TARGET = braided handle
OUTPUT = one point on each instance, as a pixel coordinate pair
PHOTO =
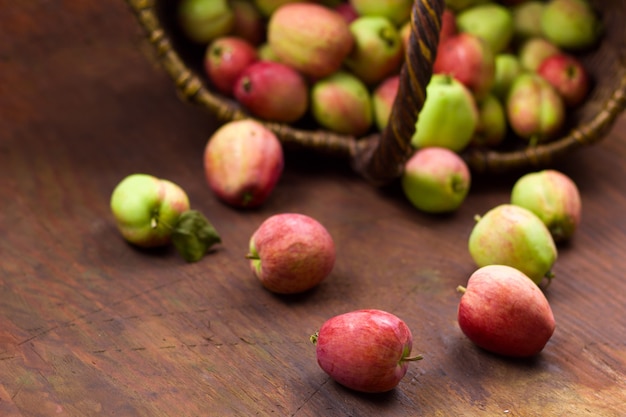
(381, 158)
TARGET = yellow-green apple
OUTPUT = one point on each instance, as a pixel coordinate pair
(383, 98)
(342, 103)
(553, 197)
(492, 22)
(507, 69)
(204, 20)
(534, 108)
(527, 19)
(568, 76)
(449, 116)
(514, 236)
(365, 350)
(312, 38)
(504, 312)
(397, 11)
(378, 51)
(469, 59)
(436, 180)
(533, 51)
(291, 253)
(268, 7)
(225, 59)
(571, 24)
(272, 91)
(146, 209)
(492, 123)
(243, 161)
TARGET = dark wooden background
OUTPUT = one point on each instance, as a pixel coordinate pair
(91, 326)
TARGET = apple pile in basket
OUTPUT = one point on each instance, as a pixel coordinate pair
(502, 66)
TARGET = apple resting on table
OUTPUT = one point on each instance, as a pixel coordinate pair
(365, 350)
(291, 253)
(503, 311)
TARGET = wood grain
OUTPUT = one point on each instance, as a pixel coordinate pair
(91, 326)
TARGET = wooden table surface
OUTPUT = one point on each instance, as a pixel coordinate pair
(91, 326)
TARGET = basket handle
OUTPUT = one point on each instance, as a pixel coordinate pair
(381, 158)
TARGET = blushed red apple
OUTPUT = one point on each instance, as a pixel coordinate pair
(243, 161)
(468, 59)
(568, 76)
(291, 253)
(225, 59)
(504, 312)
(272, 91)
(365, 350)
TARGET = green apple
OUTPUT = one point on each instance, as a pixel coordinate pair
(492, 22)
(571, 24)
(492, 123)
(378, 51)
(553, 197)
(507, 68)
(147, 208)
(532, 52)
(397, 11)
(436, 180)
(527, 19)
(449, 116)
(513, 236)
(460, 5)
(204, 20)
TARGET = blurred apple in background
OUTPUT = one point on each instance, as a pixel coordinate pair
(204, 20)
(568, 76)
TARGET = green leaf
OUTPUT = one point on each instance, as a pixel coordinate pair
(194, 235)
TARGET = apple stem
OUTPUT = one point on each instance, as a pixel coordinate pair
(477, 218)
(413, 358)
(251, 256)
(461, 289)
(314, 337)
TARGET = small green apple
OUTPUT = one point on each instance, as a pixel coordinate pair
(147, 208)
(397, 11)
(204, 20)
(508, 68)
(492, 123)
(436, 180)
(449, 116)
(527, 19)
(491, 21)
(378, 51)
(571, 24)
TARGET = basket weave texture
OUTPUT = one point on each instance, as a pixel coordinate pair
(380, 157)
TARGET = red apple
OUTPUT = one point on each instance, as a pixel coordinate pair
(568, 76)
(347, 11)
(365, 350)
(291, 253)
(249, 22)
(504, 312)
(383, 97)
(243, 161)
(272, 91)
(468, 59)
(225, 59)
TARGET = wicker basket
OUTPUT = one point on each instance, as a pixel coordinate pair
(380, 157)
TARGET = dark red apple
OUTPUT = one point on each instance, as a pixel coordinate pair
(568, 76)
(272, 91)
